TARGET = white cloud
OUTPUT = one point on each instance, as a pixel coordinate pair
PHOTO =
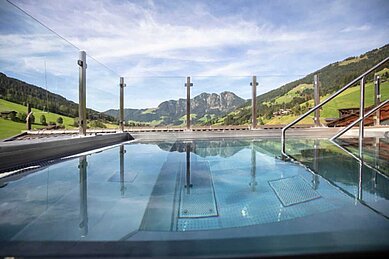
(147, 38)
(364, 27)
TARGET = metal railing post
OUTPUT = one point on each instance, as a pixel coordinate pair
(361, 135)
(283, 152)
(377, 100)
(254, 103)
(316, 89)
(362, 111)
(82, 93)
(28, 119)
(188, 85)
(121, 112)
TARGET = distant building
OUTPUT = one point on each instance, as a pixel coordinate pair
(7, 114)
(349, 115)
(281, 112)
(347, 111)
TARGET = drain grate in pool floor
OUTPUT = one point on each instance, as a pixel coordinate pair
(293, 190)
(199, 200)
(128, 177)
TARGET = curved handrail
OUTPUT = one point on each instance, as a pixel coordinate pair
(284, 155)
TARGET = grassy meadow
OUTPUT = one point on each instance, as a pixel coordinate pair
(10, 128)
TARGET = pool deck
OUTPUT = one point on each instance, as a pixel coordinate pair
(272, 131)
(19, 154)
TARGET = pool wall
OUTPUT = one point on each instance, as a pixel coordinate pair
(16, 154)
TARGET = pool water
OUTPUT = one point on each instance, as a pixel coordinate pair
(196, 186)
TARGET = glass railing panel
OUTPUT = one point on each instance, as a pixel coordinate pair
(221, 101)
(102, 95)
(285, 104)
(33, 54)
(158, 101)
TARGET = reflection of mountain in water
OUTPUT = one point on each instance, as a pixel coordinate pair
(341, 168)
(207, 148)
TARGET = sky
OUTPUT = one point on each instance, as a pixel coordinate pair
(156, 44)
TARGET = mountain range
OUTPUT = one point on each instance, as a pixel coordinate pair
(204, 107)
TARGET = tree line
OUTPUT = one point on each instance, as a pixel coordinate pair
(20, 92)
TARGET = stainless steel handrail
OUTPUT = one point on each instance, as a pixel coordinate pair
(340, 133)
(284, 155)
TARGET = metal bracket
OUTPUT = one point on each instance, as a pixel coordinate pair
(251, 84)
(81, 63)
(191, 84)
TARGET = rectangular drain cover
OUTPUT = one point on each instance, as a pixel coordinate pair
(128, 177)
(293, 190)
(199, 200)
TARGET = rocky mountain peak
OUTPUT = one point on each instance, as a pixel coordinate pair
(203, 104)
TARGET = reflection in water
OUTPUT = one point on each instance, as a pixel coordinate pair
(253, 182)
(376, 159)
(375, 151)
(121, 155)
(83, 197)
(188, 183)
(360, 166)
(350, 171)
(208, 148)
(315, 177)
(376, 147)
(360, 179)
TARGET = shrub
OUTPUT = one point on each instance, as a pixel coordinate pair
(59, 120)
(12, 117)
(43, 120)
(22, 116)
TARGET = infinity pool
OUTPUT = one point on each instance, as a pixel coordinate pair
(197, 190)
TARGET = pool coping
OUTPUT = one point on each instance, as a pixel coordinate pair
(292, 246)
(16, 155)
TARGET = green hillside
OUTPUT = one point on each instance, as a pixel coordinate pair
(297, 96)
(17, 91)
(348, 99)
(10, 128)
(295, 92)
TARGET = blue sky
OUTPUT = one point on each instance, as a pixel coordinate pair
(155, 44)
